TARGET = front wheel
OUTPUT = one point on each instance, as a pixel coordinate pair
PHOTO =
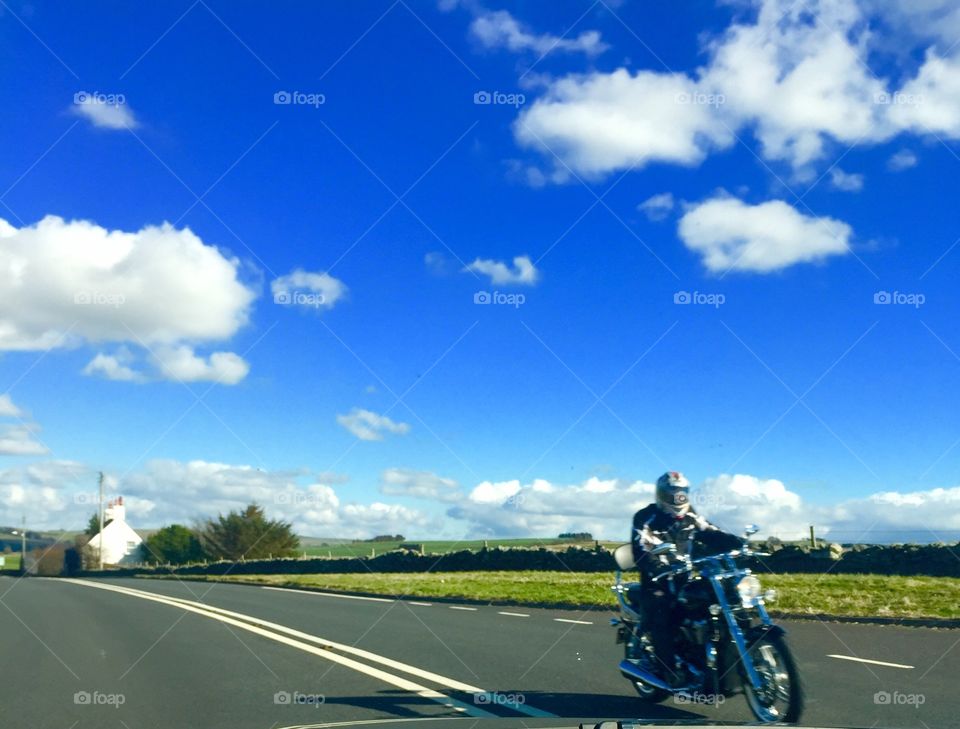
(780, 698)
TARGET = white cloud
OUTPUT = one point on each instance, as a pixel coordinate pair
(419, 484)
(795, 77)
(106, 112)
(522, 273)
(68, 282)
(183, 364)
(317, 290)
(732, 235)
(902, 160)
(7, 408)
(113, 367)
(19, 440)
(846, 181)
(600, 122)
(499, 29)
(509, 508)
(367, 425)
(657, 207)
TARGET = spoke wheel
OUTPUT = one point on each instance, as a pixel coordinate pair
(780, 698)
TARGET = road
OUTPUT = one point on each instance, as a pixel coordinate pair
(96, 654)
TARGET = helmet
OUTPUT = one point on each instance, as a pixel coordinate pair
(673, 493)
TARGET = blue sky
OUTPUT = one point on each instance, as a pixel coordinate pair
(802, 163)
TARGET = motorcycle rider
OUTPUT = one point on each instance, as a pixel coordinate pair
(670, 518)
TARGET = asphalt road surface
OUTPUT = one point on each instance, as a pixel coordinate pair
(138, 654)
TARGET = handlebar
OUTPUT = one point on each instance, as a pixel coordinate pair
(687, 564)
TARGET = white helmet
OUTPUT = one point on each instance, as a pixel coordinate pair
(673, 493)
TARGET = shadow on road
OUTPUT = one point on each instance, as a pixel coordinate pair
(403, 704)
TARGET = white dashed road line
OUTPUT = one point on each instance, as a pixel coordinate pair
(867, 660)
(575, 622)
(461, 607)
(330, 594)
(422, 604)
(514, 615)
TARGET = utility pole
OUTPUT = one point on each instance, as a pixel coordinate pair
(23, 544)
(813, 538)
(100, 549)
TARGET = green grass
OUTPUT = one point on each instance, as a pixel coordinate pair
(845, 595)
(364, 549)
(12, 561)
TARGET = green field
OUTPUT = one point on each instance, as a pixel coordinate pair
(842, 595)
(11, 561)
(339, 548)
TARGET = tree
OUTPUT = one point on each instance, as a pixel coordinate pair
(247, 534)
(93, 526)
(174, 544)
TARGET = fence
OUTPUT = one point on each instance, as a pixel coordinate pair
(933, 560)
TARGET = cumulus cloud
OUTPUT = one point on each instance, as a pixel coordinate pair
(419, 484)
(20, 440)
(499, 29)
(846, 181)
(523, 271)
(104, 111)
(510, 508)
(368, 425)
(657, 207)
(316, 290)
(179, 491)
(183, 364)
(113, 367)
(68, 282)
(600, 122)
(732, 235)
(7, 408)
(794, 76)
(902, 160)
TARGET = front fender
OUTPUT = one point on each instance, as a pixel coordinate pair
(761, 631)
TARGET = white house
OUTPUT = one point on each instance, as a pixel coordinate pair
(121, 544)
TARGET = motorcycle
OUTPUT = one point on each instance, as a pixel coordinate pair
(726, 643)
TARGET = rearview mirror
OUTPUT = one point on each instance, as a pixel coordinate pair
(750, 529)
(663, 548)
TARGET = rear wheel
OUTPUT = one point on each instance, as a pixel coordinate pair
(635, 652)
(780, 698)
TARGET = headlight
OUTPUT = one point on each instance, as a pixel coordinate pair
(749, 590)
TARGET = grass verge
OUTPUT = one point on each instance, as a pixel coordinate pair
(870, 596)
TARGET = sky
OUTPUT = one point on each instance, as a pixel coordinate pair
(471, 269)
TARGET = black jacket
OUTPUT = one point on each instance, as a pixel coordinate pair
(652, 525)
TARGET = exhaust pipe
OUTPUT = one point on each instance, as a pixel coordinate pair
(635, 673)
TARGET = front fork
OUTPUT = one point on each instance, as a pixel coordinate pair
(736, 635)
